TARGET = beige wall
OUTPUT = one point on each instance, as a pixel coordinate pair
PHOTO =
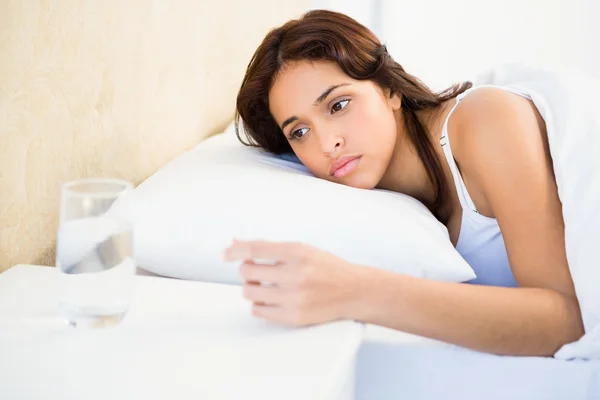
(110, 88)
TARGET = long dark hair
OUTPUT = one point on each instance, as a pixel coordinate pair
(321, 35)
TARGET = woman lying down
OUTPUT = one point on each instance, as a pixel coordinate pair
(325, 88)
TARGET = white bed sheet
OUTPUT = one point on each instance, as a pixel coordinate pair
(396, 365)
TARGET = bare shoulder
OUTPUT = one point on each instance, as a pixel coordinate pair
(492, 127)
(501, 145)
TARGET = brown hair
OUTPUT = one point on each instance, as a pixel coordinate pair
(321, 35)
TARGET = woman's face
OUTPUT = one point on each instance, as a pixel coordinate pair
(343, 130)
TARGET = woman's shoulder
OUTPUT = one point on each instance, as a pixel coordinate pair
(482, 103)
(496, 137)
(489, 117)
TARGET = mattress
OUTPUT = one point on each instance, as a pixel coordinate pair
(396, 365)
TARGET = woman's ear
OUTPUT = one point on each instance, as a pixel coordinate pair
(394, 100)
(391, 97)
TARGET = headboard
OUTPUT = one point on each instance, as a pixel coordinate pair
(111, 89)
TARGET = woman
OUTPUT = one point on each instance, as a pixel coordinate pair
(325, 88)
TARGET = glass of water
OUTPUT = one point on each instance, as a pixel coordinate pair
(94, 253)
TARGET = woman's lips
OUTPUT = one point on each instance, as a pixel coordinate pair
(345, 166)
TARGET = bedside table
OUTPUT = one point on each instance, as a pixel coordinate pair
(180, 340)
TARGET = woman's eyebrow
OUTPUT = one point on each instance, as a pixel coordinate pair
(327, 92)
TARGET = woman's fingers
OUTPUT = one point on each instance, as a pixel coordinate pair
(278, 314)
(262, 250)
(253, 272)
(265, 295)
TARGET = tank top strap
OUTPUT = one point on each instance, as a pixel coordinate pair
(463, 195)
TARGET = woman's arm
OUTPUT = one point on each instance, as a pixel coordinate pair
(504, 159)
(500, 145)
(515, 321)
(310, 286)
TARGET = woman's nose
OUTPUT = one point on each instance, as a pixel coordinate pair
(332, 144)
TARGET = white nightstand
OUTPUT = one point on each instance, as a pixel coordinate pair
(180, 340)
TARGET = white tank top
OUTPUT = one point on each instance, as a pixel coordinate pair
(480, 241)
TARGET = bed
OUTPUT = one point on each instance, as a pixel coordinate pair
(394, 365)
(120, 88)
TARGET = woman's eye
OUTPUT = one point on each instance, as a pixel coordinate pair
(339, 106)
(298, 134)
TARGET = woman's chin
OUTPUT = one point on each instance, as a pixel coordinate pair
(359, 181)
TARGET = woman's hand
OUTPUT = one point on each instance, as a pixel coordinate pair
(304, 286)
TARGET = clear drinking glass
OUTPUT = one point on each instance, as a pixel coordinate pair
(94, 253)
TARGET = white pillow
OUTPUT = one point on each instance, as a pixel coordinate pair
(190, 210)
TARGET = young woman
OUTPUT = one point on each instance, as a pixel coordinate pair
(324, 87)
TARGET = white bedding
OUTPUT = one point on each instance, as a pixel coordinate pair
(396, 365)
